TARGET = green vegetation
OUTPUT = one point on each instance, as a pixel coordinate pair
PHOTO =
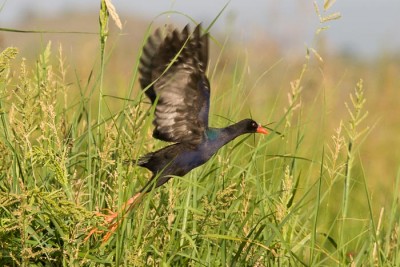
(299, 196)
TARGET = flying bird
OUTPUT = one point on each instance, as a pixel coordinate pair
(173, 76)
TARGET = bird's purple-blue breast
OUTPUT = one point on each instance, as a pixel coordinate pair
(191, 159)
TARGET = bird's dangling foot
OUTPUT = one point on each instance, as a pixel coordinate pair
(112, 220)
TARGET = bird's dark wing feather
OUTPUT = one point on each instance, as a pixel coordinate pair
(172, 72)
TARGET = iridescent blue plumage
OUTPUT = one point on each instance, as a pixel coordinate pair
(173, 68)
(212, 133)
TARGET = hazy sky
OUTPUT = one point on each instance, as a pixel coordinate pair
(366, 26)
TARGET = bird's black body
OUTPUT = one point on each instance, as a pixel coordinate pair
(180, 158)
(172, 74)
(172, 69)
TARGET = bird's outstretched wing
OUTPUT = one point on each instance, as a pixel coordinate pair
(172, 70)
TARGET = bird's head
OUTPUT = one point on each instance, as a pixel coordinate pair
(254, 127)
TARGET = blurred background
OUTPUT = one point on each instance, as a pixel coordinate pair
(268, 37)
(366, 29)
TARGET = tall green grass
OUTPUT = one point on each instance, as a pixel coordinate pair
(293, 198)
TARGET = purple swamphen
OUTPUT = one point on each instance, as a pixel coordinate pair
(172, 74)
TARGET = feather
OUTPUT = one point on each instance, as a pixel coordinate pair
(172, 70)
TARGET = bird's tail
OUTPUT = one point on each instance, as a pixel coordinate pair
(142, 161)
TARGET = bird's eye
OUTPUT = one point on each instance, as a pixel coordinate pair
(253, 124)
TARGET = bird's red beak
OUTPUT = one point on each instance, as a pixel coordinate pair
(261, 130)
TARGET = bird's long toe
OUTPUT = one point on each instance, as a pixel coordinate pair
(112, 219)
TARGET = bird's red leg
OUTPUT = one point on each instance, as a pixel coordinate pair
(113, 219)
